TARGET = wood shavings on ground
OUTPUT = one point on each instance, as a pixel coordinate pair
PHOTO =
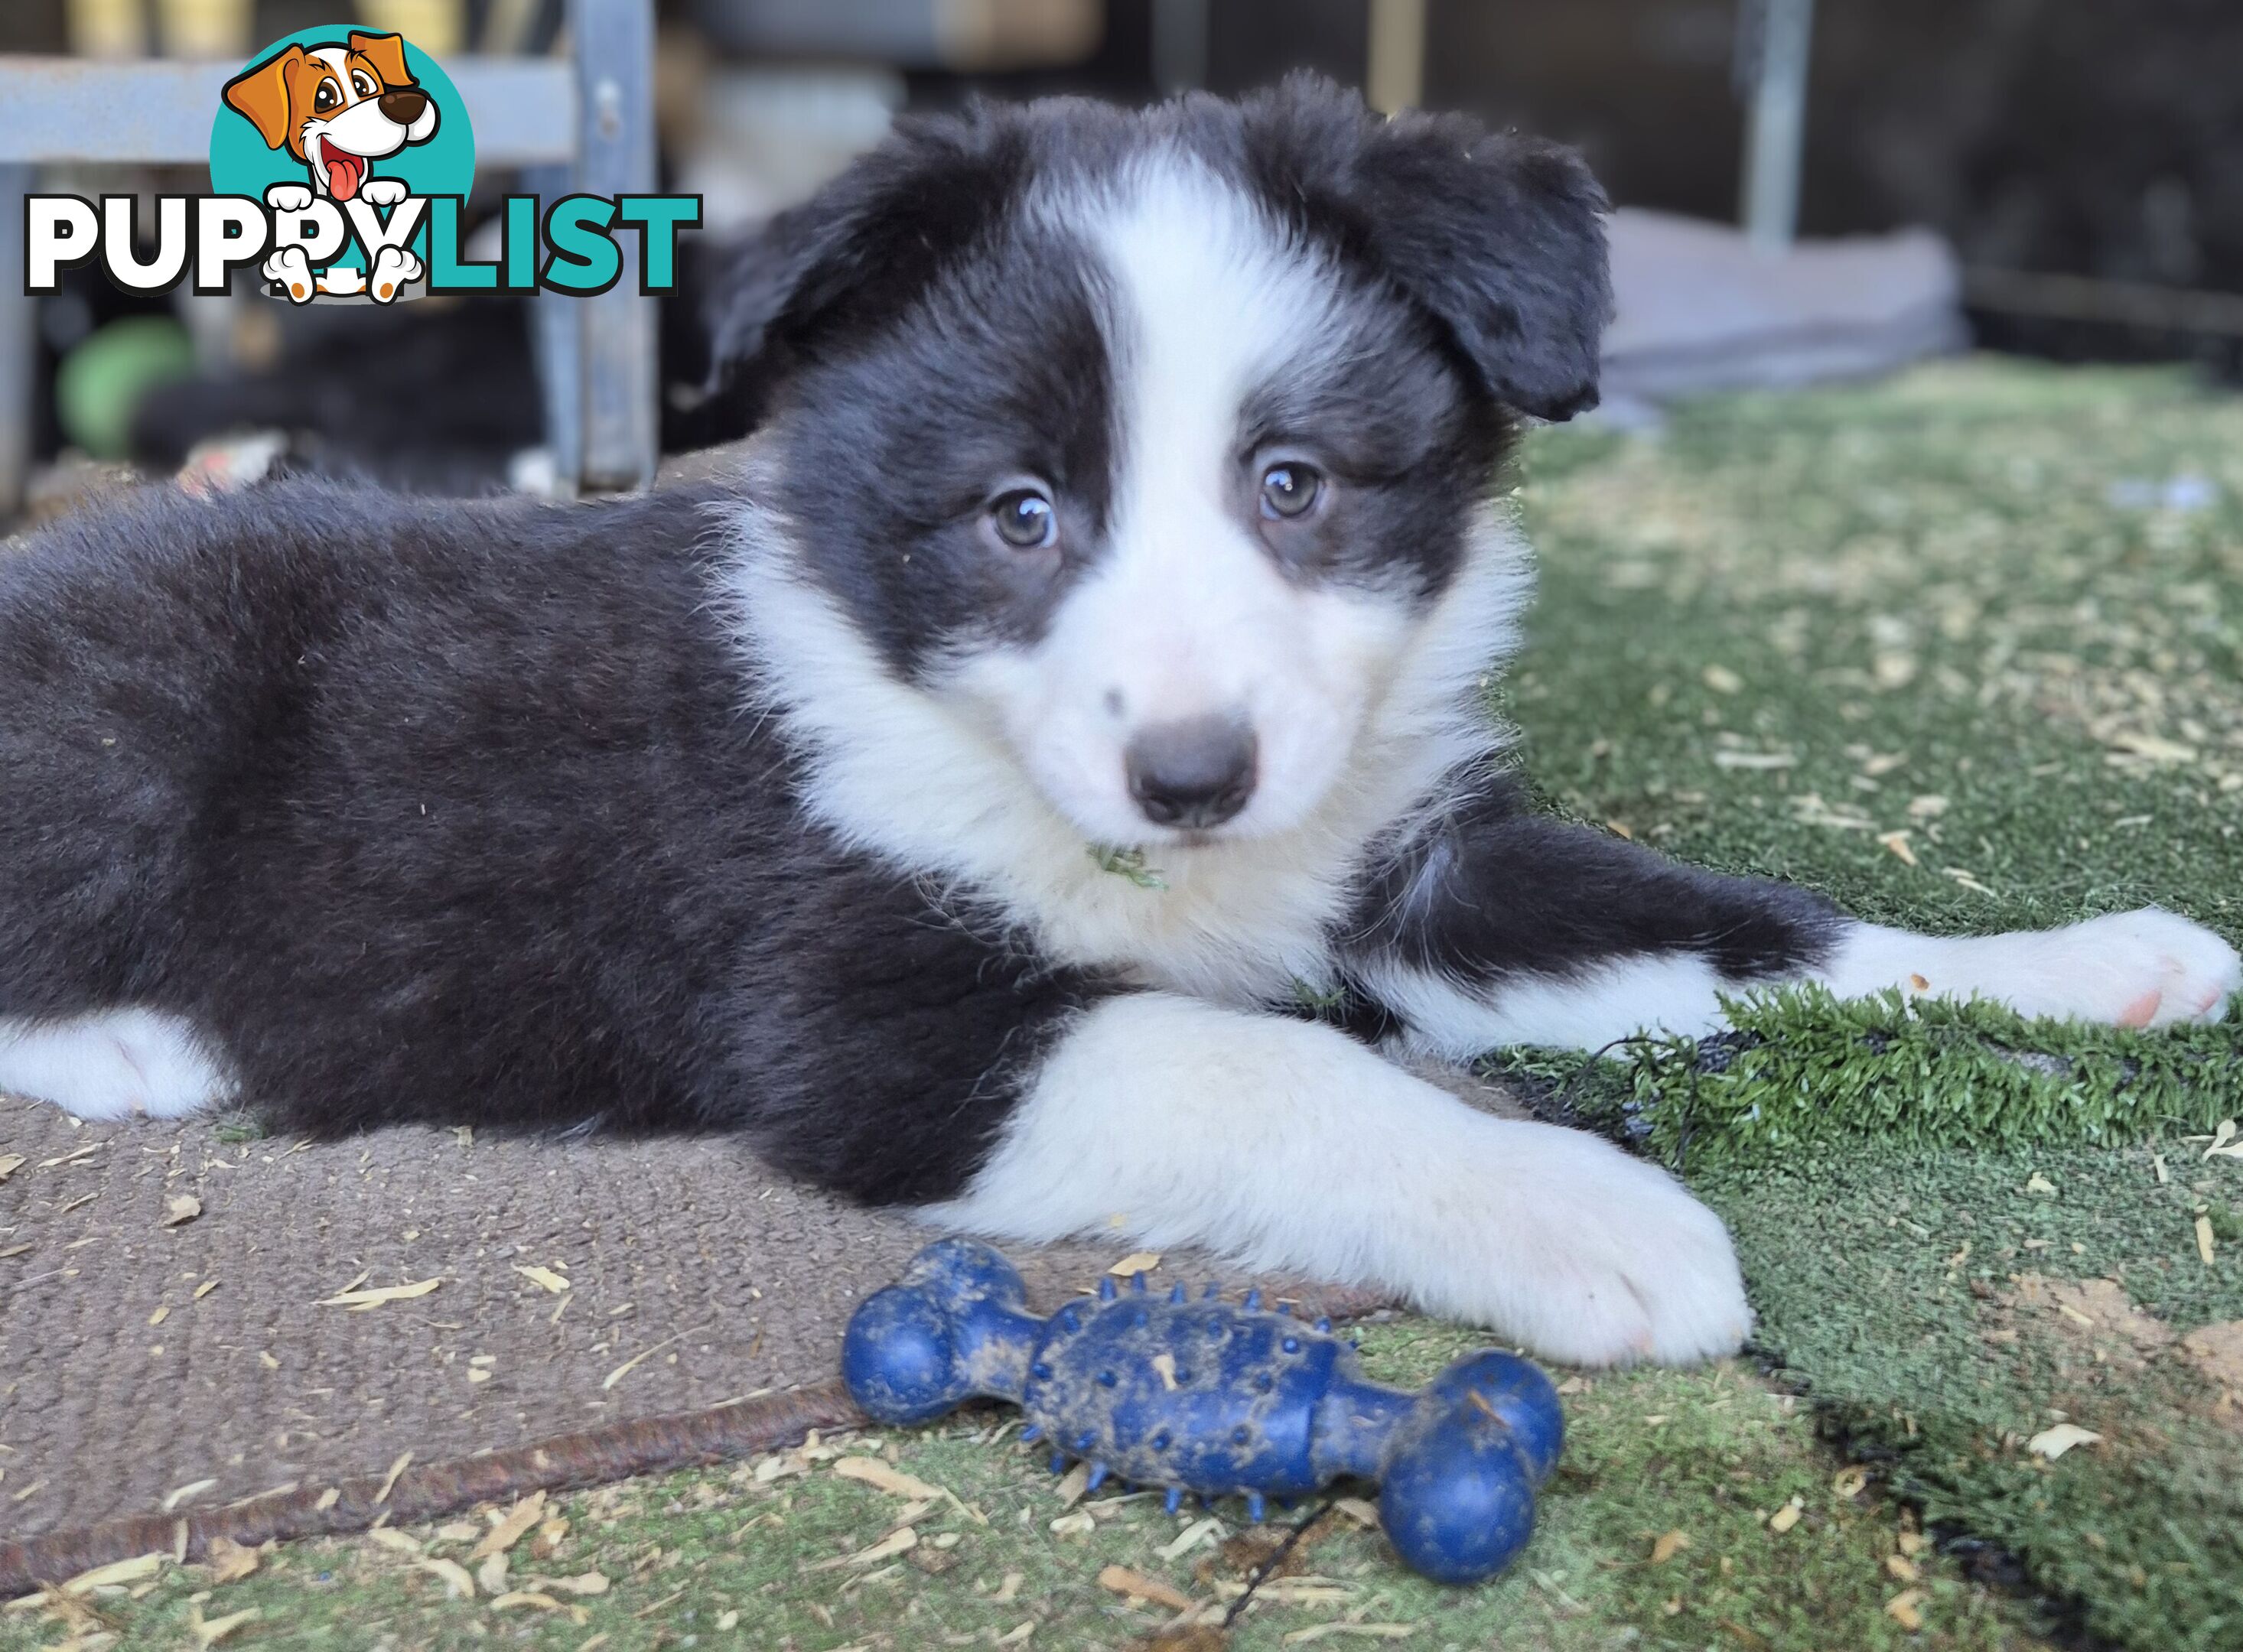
(1906, 1609)
(589, 1584)
(230, 1561)
(2204, 1239)
(2053, 1443)
(544, 1277)
(1668, 1545)
(877, 1475)
(1123, 1582)
(1136, 1263)
(359, 1301)
(873, 1472)
(132, 1571)
(898, 1542)
(511, 1530)
(2227, 1142)
(180, 1209)
(459, 1584)
(9, 1163)
(1788, 1516)
(389, 1480)
(395, 1541)
(1753, 761)
(1073, 1485)
(643, 1355)
(1316, 1632)
(516, 1600)
(1208, 1530)
(209, 1632)
(1809, 809)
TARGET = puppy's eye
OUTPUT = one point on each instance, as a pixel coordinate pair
(1024, 519)
(1290, 490)
(325, 98)
(364, 86)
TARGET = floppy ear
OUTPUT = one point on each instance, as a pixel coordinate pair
(1499, 237)
(866, 243)
(386, 54)
(261, 95)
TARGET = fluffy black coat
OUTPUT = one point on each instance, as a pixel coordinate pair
(453, 811)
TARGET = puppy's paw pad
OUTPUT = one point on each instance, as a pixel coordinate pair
(2160, 969)
(383, 191)
(288, 197)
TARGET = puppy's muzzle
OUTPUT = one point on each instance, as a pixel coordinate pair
(404, 105)
(1192, 773)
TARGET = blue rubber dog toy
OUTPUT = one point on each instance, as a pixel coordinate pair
(1210, 1398)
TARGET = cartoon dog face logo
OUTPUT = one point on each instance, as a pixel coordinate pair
(337, 109)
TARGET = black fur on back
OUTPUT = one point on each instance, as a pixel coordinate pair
(444, 811)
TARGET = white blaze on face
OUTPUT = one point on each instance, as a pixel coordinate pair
(1187, 616)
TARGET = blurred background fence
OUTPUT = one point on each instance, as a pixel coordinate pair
(2054, 176)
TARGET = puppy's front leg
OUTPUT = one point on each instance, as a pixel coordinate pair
(1291, 1146)
(1493, 925)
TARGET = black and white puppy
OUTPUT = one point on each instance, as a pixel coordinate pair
(1088, 672)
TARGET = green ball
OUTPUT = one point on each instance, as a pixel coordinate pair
(103, 377)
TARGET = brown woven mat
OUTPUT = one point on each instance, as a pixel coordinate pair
(144, 1349)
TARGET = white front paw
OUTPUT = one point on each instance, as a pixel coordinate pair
(393, 268)
(292, 271)
(288, 197)
(2148, 969)
(382, 191)
(1590, 1256)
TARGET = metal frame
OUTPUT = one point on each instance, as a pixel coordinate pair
(1775, 119)
(581, 125)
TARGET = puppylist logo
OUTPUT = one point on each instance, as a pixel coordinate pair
(340, 160)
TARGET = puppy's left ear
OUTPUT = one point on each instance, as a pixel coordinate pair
(1499, 237)
(862, 246)
(386, 54)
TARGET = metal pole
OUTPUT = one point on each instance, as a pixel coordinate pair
(1775, 130)
(19, 345)
(1179, 45)
(613, 45)
(1394, 72)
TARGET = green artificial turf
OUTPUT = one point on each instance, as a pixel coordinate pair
(1802, 1070)
(1957, 650)
(722, 1558)
(1993, 607)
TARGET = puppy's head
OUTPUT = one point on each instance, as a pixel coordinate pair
(336, 108)
(1151, 442)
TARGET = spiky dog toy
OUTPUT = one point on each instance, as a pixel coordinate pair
(1210, 1398)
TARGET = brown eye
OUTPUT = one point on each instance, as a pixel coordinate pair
(1290, 490)
(361, 83)
(325, 98)
(1024, 519)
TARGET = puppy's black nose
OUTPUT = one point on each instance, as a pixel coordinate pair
(1194, 774)
(404, 105)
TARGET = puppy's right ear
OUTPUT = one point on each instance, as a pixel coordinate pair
(261, 95)
(865, 244)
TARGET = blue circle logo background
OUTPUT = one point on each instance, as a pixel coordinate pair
(242, 163)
